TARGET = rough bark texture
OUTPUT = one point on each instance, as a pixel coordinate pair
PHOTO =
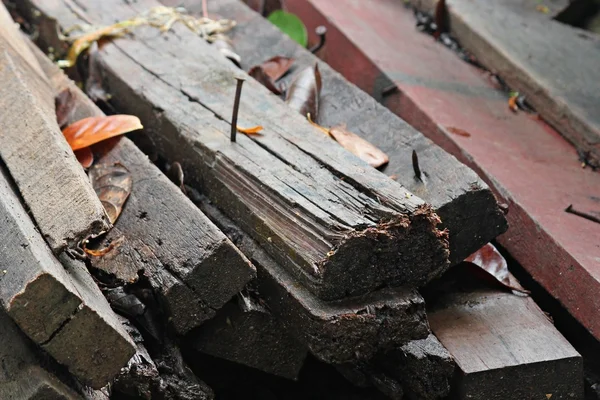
(338, 332)
(338, 226)
(61, 199)
(246, 332)
(187, 260)
(58, 307)
(463, 201)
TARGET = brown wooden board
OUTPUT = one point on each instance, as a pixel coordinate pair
(21, 373)
(60, 199)
(338, 226)
(186, 259)
(58, 307)
(246, 332)
(552, 63)
(463, 201)
(505, 347)
(342, 331)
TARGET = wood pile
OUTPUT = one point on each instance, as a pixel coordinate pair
(267, 251)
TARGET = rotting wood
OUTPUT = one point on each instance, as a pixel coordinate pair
(539, 57)
(463, 201)
(61, 199)
(341, 331)
(338, 226)
(22, 375)
(187, 260)
(497, 338)
(58, 307)
(244, 331)
(424, 367)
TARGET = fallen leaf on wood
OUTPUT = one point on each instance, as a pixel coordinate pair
(225, 47)
(259, 74)
(492, 266)
(542, 8)
(105, 250)
(112, 184)
(512, 101)
(354, 144)
(89, 131)
(303, 94)
(255, 130)
(291, 25)
(277, 66)
(458, 131)
(359, 146)
(85, 157)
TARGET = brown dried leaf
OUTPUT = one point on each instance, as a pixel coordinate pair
(112, 184)
(493, 266)
(85, 157)
(89, 131)
(359, 146)
(458, 131)
(276, 67)
(259, 74)
(303, 94)
(105, 250)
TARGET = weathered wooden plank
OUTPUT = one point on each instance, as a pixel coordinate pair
(59, 308)
(61, 199)
(246, 332)
(538, 56)
(21, 374)
(464, 202)
(424, 367)
(338, 226)
(338, 332)
(499, 337)
(186, 259)
(527, 164)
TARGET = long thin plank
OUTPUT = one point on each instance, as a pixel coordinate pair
(528, 165)
(343, 331)
(21, 374)
(505, 339)
(337, 225)
(464, 202)
(538, 56)
(59, 308)
(187, 260)
(61, 199)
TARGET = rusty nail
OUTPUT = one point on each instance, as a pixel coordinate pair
(236, 107)
(321, 31)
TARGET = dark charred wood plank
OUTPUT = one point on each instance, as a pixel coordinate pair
(338, 226)
(551, 63)
(60, 199)
(500, 337)
(464, 202)
(246, 332)
(342, 331)
(58, 307)
(188, 261)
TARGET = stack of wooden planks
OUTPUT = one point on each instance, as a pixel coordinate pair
(285, 244)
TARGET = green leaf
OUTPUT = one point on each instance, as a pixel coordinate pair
(291, 25)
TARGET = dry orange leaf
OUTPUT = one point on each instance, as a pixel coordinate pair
(512, 102)
(458, 131)
(255, 130)
(112, 184)
(359, 146)
(100, 252)
(85, 157)
(89, 131)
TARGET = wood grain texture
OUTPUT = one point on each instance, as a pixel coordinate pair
(58, 307)
(246, 332)
(60, 198)
(188, 261)
(464, 202)
(500, 337)
(342, 331)
(549, 62)
(333, 222)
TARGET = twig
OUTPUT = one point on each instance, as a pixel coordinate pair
(236, 107)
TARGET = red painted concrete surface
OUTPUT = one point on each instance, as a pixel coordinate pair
(528, 164)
